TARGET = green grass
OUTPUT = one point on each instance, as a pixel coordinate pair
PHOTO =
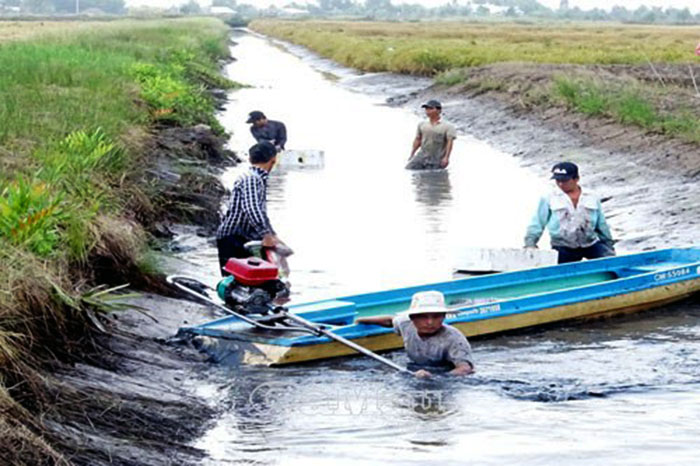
(584, 96)
(433, 47)
(452, 77)
(626, 105)
(67, 103)
(76, 106)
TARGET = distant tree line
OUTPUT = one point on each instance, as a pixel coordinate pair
(382, 10)
(385, 10)
(48, 7)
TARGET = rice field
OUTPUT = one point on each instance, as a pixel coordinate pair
(451, 51)
(18, 30)
(428, 48)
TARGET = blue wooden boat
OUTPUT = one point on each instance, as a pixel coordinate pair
(481, 305)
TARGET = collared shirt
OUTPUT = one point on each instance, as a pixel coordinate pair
(247, 211)
(434, 138)
(274, 132)
(572, 227)
(448, 345)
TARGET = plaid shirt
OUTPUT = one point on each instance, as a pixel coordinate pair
(247, 211)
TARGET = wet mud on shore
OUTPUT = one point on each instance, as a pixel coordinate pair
(141, 401)
(134, 398)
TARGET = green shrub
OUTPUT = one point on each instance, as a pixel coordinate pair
(170, 97)
(30, 215)
(591, 101)
(567, 89)
(584, 96)
(452, 77)
(686, 125)
(633, 109)
(431, 61)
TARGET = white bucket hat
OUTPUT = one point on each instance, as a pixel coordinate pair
(427, 302)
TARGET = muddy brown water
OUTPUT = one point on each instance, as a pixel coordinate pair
(616, 391)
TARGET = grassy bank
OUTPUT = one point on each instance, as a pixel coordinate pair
(642, 106)
(76, 108)
(647, 96)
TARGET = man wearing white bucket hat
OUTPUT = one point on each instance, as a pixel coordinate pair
(426, 339)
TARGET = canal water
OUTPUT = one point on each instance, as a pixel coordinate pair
(619, 391)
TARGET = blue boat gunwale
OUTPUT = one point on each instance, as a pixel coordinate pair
(518, 305)
(508, 306)
(518, 277)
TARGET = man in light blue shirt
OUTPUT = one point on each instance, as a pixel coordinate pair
(574, 218)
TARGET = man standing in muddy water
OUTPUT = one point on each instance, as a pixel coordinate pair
(434, 138)
(246, 217)
(574, 218)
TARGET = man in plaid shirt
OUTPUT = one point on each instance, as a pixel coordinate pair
(246, 217)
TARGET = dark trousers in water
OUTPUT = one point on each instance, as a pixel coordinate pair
(594, 251)
(231, 246)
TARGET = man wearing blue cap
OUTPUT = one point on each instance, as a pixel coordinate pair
(434, 138)
(574, 218)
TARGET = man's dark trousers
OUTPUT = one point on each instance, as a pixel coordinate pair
(231, 246)
(594, 251)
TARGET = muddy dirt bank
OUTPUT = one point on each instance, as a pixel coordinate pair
(131, 398)
(137, 400)
(648, 181)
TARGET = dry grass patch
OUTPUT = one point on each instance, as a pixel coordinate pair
(18, 30)
(427, 48)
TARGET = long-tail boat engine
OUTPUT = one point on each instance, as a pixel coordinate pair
(252, 286)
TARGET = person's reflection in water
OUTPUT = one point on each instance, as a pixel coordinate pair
(432, 187)
(434, 195)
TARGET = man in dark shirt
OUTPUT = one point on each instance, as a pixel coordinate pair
(246, 217)
(271, 131)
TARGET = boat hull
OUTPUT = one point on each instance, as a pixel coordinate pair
(276, 355)
(479, 306)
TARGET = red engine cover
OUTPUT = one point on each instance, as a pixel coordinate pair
(251, 271)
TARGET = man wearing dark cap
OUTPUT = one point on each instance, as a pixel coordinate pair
(574, 218)
(434, 138)
(246, 217)
(270, 131)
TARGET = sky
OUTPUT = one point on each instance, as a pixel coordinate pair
(694, 5)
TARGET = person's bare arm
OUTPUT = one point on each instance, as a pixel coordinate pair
(270, 240)
(462, 368)
(416, 144)
(448, 150)
(384, 321)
